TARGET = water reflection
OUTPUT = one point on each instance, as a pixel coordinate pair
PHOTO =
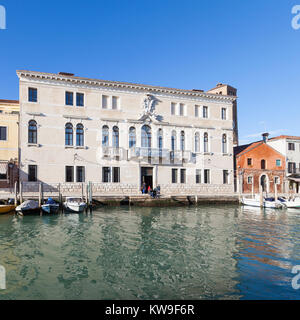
(152, 253)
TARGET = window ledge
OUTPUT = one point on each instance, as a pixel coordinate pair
(69, 147)
(33, 145)
(80, 147)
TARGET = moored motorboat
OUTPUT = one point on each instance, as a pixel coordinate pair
(290, 203)
(266, 203)
(28, 207)
(50, 206)
(75, 205)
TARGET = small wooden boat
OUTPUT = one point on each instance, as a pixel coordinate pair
(6, 208)
(75, 205)
(28, 207)
(50, 206)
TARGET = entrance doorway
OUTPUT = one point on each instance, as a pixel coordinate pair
(263, 183)
(147, 177)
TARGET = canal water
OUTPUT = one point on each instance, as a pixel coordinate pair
(205, 252)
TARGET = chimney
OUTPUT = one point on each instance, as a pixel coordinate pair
(66, 74)
(265, 137)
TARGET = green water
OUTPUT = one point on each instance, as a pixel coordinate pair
(222, 252)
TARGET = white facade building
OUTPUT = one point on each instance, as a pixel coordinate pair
(121, 135)
(289, 146)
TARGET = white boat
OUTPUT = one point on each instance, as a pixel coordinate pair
(291, 203)
(28, 207)
(267, 203)
(75, 205)
(50, 206)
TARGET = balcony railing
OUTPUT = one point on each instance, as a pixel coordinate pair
(112, 153)
(162, 156)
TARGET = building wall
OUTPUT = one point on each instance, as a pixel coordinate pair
(9, 118)
(51, 114)
(257, 154)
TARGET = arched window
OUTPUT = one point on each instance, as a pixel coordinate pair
(197, 142)
(160, 139)
(263, 164)
(205, 141)
(182, 141)
(32, 132)
(132, 137)
(146, 137)
(115, 137)
(224, 143)
(173, 141)
(69, 134)
(79, 135)
(105, 136)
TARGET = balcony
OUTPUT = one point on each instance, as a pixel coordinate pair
(161, 156)
(111, 153)
(137, 152)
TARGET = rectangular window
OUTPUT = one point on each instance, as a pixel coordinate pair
(105, 102)
(32, 95)
(69, 174)
(116, 175)
(115, 103)
(291, 146)
(3, 133)
(207, 176)
(32, 173)
(249, 161)
(197, 108)
(183, 176)
(225, 177)
(291, 167)
(224, 114)
(276, 180)
(278, 163)
(173, 109)
(250, 180)
(198, 176)
(80, 174)
(205, 112)
(181, 109)
(79, 99)
(106, 176)
(69, 98)
(174, 175)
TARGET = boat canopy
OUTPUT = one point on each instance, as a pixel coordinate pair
(50, 201)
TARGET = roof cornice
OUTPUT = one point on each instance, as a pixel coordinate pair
(120, 85)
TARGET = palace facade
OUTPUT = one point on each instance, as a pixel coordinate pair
(121, 135)
(9, 120)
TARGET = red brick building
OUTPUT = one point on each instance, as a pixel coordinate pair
(258, 164)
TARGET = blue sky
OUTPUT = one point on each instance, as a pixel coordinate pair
(183, 44)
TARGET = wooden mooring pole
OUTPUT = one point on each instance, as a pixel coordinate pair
(16, 193)
(261, 196)
(275, 190)
(21, 192)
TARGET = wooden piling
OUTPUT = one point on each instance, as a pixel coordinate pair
(87, 194)
(16, 194)
(40, 194)
(59, 195)
(275, 190)
(21, 192)
(261, 198)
